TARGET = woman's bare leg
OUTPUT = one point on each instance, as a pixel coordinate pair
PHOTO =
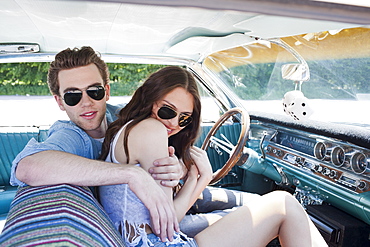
(256, 224)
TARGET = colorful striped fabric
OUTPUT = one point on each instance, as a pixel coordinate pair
(58, 215)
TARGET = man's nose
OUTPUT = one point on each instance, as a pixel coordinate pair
(86, 100)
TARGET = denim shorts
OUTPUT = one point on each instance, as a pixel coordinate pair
(156, 241)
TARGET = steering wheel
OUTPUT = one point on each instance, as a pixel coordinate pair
(235, 152)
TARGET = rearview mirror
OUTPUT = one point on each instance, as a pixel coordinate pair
(295, 72)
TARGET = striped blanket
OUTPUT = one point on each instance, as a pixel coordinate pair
(58, 215)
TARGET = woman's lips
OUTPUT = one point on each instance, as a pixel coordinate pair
(169, 130)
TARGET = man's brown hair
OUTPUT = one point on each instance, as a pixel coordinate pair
(74, 58)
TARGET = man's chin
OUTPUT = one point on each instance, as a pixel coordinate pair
(88, 127)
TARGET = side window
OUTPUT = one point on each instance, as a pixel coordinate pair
(210, 110)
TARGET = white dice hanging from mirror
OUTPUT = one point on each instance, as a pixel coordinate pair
(295, 104)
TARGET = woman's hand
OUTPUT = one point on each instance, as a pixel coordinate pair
(198, 177)
(202, 162)
(168, 169)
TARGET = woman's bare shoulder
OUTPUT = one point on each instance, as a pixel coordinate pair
(150, 124)
(148, 141)
(149, 127)
(140, 140)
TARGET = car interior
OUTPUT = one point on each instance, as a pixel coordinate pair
(284, 84)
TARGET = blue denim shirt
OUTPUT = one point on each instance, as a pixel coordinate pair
(64, 136)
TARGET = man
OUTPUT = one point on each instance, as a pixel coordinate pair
(78, 80)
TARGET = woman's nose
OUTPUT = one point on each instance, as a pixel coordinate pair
(174, 121)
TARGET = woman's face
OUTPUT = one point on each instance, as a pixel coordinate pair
(179, 100)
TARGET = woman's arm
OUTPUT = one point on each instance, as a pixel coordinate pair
(199, 176)
(148, 141)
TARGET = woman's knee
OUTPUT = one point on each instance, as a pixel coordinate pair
(283, 200)
(280, 195)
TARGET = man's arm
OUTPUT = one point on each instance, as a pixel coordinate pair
(53, 167)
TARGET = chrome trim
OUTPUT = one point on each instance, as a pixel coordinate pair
(322, 150)
(17, 48)
(108, 58)
(359, 162)
(338, 156)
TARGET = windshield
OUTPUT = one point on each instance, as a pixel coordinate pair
(338, 89)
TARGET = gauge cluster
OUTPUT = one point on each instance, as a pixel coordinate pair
(341, 155)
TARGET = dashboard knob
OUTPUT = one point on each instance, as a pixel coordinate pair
(333, 174)
(326, 171)
(362, 185)
(317, 168)
(299, 160)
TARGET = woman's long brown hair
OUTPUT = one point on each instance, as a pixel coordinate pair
(140, 107)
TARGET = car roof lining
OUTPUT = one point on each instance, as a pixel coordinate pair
(347, 11)
(158, 29)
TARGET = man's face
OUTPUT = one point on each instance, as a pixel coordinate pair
(88, 113)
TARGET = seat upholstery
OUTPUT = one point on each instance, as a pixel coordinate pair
(58, 215)
(12, 141)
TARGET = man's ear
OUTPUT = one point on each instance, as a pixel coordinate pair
(59, 101)
(107, 92)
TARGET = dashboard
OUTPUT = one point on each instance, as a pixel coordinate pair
(336, 161)
(333, 170)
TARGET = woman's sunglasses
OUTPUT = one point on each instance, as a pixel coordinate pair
(166, 112)
(73, 97)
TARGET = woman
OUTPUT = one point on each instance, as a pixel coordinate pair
(164, 111)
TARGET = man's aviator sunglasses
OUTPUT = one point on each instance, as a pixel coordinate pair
(166, 112)
(73, 97)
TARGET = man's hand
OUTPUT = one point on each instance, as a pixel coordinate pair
(168, 169)
(162, 212)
